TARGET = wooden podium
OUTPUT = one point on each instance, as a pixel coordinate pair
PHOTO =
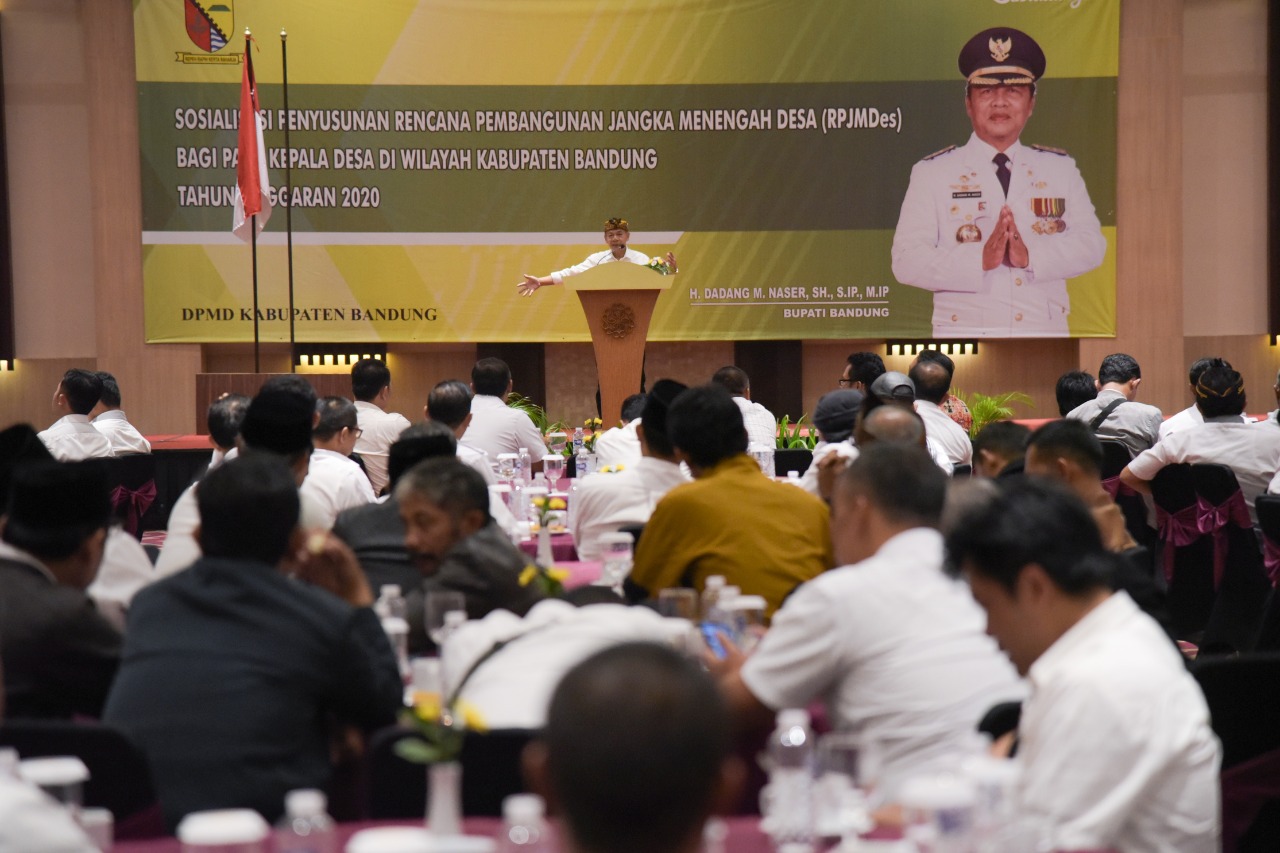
(618, 299)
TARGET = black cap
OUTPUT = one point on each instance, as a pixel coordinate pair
(48, 498)
(278, 421)
(893, 386)
(1002, 55)
(836, 412)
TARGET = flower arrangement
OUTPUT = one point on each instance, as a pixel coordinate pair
(591, 432)
(440, 726)
(549, 511)
(659, 266)
(550, 580)
(612, 469)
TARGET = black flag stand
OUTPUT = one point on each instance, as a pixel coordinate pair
(287, 194)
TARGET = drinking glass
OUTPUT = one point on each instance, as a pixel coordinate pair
(617, 551)
(678, 602)
(556, 442)
(839, 806)
(440, 602)
(507, 463)
(553, 469)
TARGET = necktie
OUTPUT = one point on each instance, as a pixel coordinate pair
(1002, 171)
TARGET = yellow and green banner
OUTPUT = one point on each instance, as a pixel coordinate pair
(439, 149)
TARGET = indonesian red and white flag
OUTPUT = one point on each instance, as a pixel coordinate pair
(253, 188)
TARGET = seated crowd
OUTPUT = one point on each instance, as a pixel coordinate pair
(904, 596)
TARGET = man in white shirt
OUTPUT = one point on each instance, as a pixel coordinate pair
(834, 418)
(496, 427)
(449, 403)
(762, 426)
(72, 436)
(334, 481)
(1252, 452)
(1115, 746)
(608, 501)
(1190, 417)
(109, 419)
(894, 646)
(620, 445)
(616, 234)
(371, 388)
(933, 382)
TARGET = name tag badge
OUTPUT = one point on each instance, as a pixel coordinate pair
(968, 194)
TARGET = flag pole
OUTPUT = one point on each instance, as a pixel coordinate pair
(288, 188)
(253, 239)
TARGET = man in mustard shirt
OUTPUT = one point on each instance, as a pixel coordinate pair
(765, 537)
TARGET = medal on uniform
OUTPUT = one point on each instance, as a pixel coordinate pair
(968, 233)
(1049, 213)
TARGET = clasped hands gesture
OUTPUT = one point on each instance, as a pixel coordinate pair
(1005, 245)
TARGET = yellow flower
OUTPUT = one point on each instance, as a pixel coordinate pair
(540, 502)
(426, 705)
(558, 575)
(557, 503)
(471, 717)
(527, 576)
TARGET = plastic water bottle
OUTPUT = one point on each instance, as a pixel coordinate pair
(523, 825)
(790, 815)
(390, 609)
(571, 498)
(710, 595)
(579, 453)
(522, 465)
(306, 827)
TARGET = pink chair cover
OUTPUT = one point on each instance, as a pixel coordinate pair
(136, 501)
(1271, 559)
(1115, 488)
(1181, 528)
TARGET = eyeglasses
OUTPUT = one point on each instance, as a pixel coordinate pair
(356, 431)
(845, 383)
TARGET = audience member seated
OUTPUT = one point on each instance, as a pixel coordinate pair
(893, 424)
(334, 481)
(897, 389)
(72, 436)
(1115, 413)
(895, 647)
(449, 403)
(955, 408)
(932, 382)
(59, 653)
(109, 419)
(236, 671)
(1224, 439)
(1074, 388)
(1068, 452)
(608, 501)
(371, 388)
(763, 536)
(496, 427)
(279, 420)
(508, 666)
(833, 418)
(620, 445)
(1191, 417)
(1115, 748)
(861, 370)
(999, 451)
(223, 421)
(375, 532)
(456, 545)
(1274, 413)
(761, 425)
(636, 754)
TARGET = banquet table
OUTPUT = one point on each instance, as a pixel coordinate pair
(562, 549)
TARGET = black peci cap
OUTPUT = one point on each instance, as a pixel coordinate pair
(1002, 55)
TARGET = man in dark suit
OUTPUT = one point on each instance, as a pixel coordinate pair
(59, 653)
(235, 670)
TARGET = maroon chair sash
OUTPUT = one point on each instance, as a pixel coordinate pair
(1246, 788)
(136, 503)
(1271, 559)
(1183, 527)
(1115, 488)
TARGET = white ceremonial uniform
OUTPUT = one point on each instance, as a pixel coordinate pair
(619, 445)
(950, 437)
(479, 460)
(1252, 453)
(497, 428)
(823, 449)
(379, 430)
(935, 246)
(606, 257)
(1115, 746)
(898, 651)
(511, 690)
(73, 437)
(334, 483)
(124, 437)
(762, 426)
(605, 502)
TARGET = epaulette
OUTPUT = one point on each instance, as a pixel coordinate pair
(940, 153)
(1045, 148)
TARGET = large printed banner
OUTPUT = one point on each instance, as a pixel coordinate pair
(439, 149)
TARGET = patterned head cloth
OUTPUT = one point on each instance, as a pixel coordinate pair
(612, 224)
